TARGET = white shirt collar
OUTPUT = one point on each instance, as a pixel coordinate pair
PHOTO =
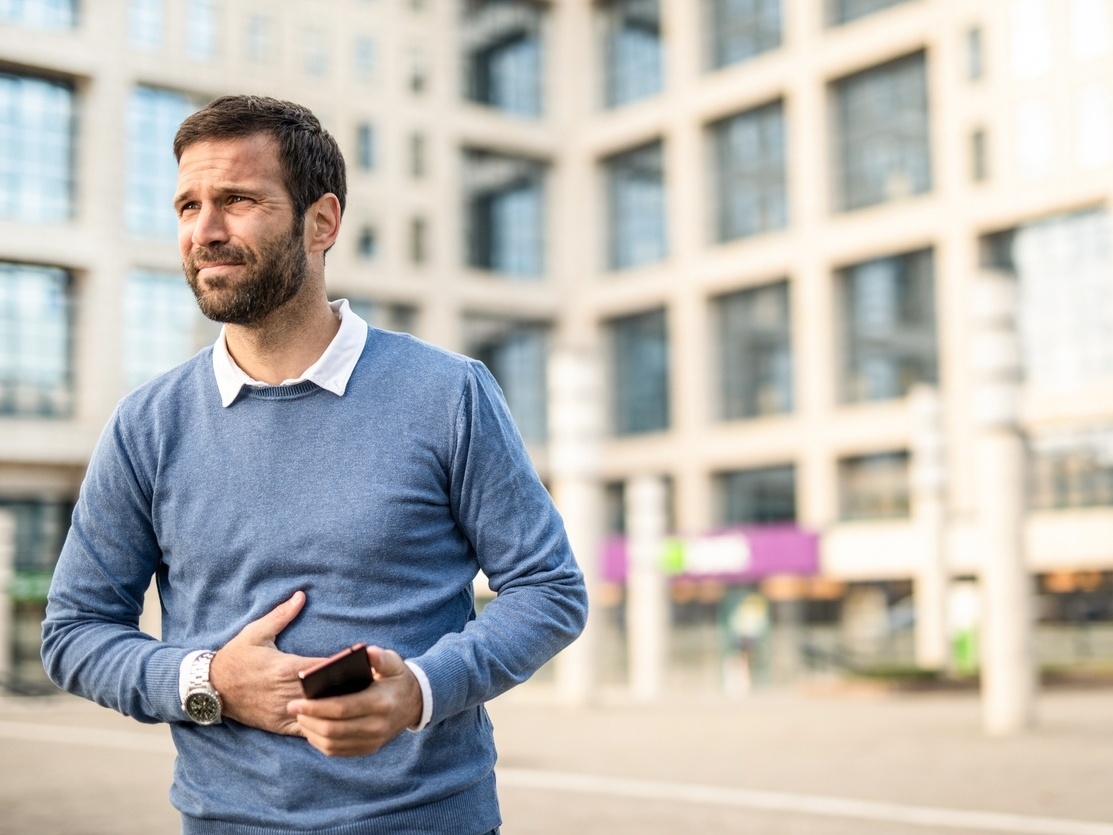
(331, 371)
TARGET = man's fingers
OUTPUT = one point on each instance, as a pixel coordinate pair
(266, 629)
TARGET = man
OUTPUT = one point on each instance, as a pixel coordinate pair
(306, 484)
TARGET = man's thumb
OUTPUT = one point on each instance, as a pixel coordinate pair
(386, 662)
(269, 625)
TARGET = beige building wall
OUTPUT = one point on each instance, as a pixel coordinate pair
(1040, 103)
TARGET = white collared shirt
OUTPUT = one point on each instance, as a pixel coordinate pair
(331, 371)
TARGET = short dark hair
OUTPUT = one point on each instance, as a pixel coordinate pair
(312, 165)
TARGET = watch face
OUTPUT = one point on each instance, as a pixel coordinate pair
(203, 708)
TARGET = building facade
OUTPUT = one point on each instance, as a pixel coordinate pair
(763, 220)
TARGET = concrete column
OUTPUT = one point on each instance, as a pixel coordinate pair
(1007, 659)
(575, 438)
(647, 631)
(929, 513)
(7, 573)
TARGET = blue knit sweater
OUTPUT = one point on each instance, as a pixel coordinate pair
(382, 505)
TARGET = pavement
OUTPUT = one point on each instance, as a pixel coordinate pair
(799, 762)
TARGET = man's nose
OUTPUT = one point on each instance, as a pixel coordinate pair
(209, 226)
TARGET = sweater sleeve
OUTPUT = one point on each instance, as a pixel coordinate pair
(92, 645)
(519, 539)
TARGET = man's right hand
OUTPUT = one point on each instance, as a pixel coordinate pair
(255, 679)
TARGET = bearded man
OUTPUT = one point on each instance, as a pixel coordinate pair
(306, 484)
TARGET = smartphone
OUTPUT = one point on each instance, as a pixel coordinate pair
(349, 671)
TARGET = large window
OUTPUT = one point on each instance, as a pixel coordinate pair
(741, 29)
(259, 39)
(639, 367)
(882, 133)
(153, 118)
(1072, 467)
(201, 29)
(366, 146)
(874, 486)
(35, 374)
(40, 14)
(1064, 267)
(888, 327)
(146, 24)
(162, 325)
(631, 50)
(40, 530)
(760, 496)
(36, 149)
(750, 172)
(636, 208)
(503, 54)
(516, 354)
(505, 206)
(391, 317)
(754, 352)
(844, 11)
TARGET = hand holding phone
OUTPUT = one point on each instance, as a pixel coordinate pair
(349, 671)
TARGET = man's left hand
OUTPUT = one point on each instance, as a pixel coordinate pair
(362, 723)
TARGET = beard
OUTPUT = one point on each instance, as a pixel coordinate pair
(274, 272)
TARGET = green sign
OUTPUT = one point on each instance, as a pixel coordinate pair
(29, 586)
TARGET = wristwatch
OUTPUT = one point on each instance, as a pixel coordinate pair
(202, 703)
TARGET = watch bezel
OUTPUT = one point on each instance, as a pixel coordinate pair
(203, 706)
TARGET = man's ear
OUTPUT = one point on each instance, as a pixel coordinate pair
(322, 223)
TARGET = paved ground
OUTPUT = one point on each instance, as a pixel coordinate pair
(772, 764)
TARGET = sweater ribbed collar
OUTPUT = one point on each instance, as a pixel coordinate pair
(331, 371)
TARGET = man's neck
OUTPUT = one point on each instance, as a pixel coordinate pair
(284, 345)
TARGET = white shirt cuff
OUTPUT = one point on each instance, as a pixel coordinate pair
(426, 696)
(183, 674)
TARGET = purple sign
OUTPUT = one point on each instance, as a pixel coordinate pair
(738, 555)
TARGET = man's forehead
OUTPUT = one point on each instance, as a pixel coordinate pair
(258, 150)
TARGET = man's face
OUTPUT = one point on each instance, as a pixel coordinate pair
(243, 251)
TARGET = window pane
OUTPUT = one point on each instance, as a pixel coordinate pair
(1064, 266)
(259, 39)
(365, 142)
(636, 210)
(874, 486)
(40, 14)
(503, 54)
(146, 24)
(888, 327)
(36, 149)
(765, 495)
(640, 373)
(750, 172)
(35, 322)
(201, 30)
(505, 205)
(153, 119)
(883, 141)
(632, 50)
(162, 325)
(754, 352)
(515, 353)
(1072, 467)
(391, 317)
(742, 29)
(365, 59)
(844, 11)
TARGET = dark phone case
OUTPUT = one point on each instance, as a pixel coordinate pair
(349, 671)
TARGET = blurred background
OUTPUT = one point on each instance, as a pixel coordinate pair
(803, 307)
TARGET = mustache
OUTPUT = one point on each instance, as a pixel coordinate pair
(219, 254)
